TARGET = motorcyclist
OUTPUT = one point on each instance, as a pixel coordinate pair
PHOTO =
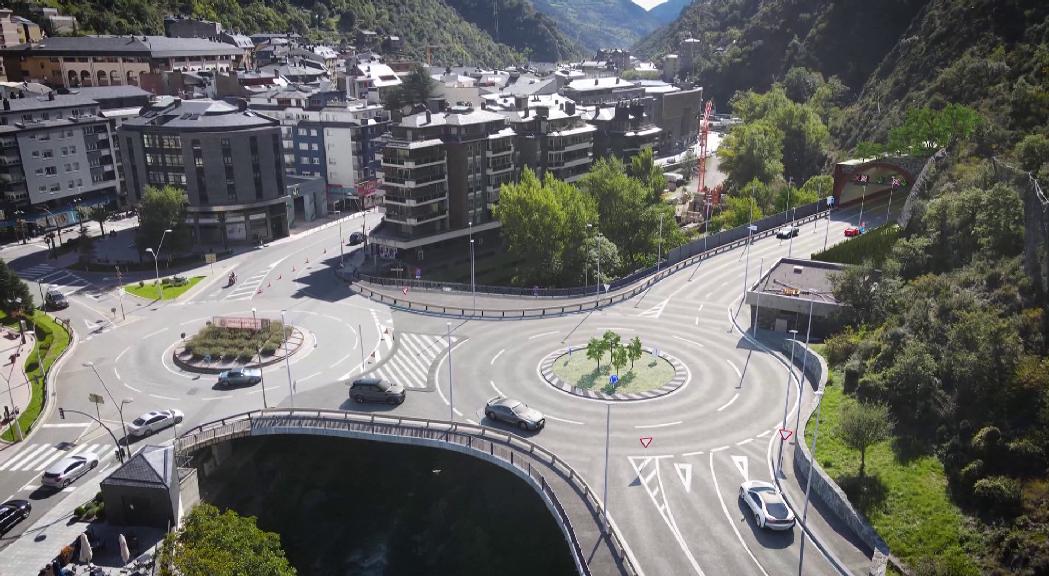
(232, 278)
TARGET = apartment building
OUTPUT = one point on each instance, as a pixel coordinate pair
(623, 130)
(55, 151)
(228, 159)
(441, 175)
(15, 30)
(550, 135)
(601, 91)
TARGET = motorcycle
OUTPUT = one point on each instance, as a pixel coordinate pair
(232, 280)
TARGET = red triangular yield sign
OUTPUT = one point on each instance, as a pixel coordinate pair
(645, 441)
(784, 433)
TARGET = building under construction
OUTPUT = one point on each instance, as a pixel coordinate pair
(787, 293)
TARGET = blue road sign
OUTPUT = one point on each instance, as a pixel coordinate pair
(613, 379)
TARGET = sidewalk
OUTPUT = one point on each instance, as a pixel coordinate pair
(19, 391)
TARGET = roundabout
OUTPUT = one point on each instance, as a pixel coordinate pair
(651, 374)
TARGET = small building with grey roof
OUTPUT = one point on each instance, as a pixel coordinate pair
(144, 491)
(786, 294)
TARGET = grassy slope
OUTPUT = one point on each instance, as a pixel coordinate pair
(875, 245)
(909, 507)
(52, 340)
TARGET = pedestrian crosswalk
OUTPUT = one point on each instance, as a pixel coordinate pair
(63, 280)
(37, 457)
(245, 288)
(410, 364)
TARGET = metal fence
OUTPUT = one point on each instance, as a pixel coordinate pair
(519, 454)
(730, 238)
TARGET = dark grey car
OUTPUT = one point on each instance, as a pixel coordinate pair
(376, 390)
(12, 512)
(514, 412)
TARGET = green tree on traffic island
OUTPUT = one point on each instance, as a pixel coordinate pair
(619, 357)
(634, 350)
(595, 350)
(611, 340)
(863, 425)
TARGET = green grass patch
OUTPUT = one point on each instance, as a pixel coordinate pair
(172, 289)
(874, 245)
(236, 344)
(649, 372)
(52, 340)
(904, 496)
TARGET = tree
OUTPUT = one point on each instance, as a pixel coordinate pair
(634, 350)
(163, 209)
(643, 167)
(867, 149)
(600, 250)
(595, 350)
(863, 425)
(868, 294)
(100, 214)
(417, 88)
(611, 340)
(13, 290)
(1033, 152)
(211, 543)
(752, 151)
(619, 357)
(800, 83)
(625, 212)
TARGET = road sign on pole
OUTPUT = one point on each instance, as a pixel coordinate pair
(95, 398)
(613, 379)
(752, 228)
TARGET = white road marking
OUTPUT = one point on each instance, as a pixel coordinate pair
(496, 357)
(222, 397)
(154, 333)
(730, 520)
(472, 421)
(159, 397)
(693, 342)
(69, 425)
(566, 421)
(121, 355)
(697, 320)
(26, 455)
(542, 334)
(741, 463)
(497, 390)
(764, 434)
(663, 425)
(734, 367)
(664, 508)
(315, 374)
(743, 442)
(696, 453)
(132, 388)
(718, 449)
(340, 360)
(729, 403)
(656, 311)
(684, 472)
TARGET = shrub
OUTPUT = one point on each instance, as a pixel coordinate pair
(230, 353)
(998, 494)
(841, 345)
(987, 439)
(269, 349)
(245, 354)
(972, 472)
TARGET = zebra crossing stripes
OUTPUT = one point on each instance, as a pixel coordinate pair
(247, 287)
(410, 364)
(37, 457)
(64, 281)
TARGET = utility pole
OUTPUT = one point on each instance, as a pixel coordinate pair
(808, 481)
(608, 433)
(786, 400)
(451, 393)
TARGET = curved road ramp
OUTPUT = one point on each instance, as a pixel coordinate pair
(596, 545)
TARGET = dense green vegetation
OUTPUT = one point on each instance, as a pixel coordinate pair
(213, 543)
(52, 339)
(172, 288)
(597, 24)
(421, 23)
(521, 26)
(235, 343)
(163, 209)
(873, 246)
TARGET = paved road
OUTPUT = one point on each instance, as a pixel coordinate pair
(676, 500)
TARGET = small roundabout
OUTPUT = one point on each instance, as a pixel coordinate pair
(648, 373)
(222, 346)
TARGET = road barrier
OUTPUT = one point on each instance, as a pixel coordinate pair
(523, 457)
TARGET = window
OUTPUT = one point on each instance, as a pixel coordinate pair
(48, 153)
(304, 146)
(313, 132)
(316, 160)
(76, 165)
(314, 147)
(68, 167)
(70, 185)
(72, 149)
(39, 171)
(302, 131)
(50, 170)
(55, 188)
(36, 153)
(65, 151)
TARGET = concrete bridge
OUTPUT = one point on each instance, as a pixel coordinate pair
(591, 535)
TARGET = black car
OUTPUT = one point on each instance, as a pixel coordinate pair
(356, 238)
(12, 512)
(376, 390)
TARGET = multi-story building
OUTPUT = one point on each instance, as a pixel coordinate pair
(178, 27)
(228, 159)
(15, 30)
(72, 62)
(550, 135)
(623, 130)
(55, 23)
(598, 91)
(441, 175)
(117, 104)
(55, 151)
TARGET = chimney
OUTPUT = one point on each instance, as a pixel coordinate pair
(521, 102)
(428, 117)
(569, 107)
(596, 82)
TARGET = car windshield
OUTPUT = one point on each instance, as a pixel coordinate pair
(383, 385)
(139, 421)
(777, 510)
(519, 408)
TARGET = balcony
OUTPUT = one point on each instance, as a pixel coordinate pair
(499, 167)
(413, 200)
(412, 218)
(501, 151)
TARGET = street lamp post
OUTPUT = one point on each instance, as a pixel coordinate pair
(451, 389)
(786, 400)
(808, 481)
(120, 406)
(597, 250)
(473, 282)
(57, 227)
(341, 240)
(888, 209)
(608, 431)
(156, 262)
(258, 351)
(287, 362)
(659, 248)
(14, 409)
(746, 267)
(757, 310)
(804, 366)
(863, 199)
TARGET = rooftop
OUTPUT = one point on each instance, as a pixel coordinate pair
(203, 114)
(592, 84)
(803, 279)
(150, 466)
(45, 103)
(153, 46)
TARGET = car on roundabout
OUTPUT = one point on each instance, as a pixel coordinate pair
(67, 470)
(787, 232)
(376, 390)
(153, 422)
(852, 231)
(12, 512)
(356, 238)
(240, 377)
(767, 505)
(515, 413)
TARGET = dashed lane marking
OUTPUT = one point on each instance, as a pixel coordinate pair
(663, 425)
(496, 357)
(729, 403)
(693, 342)
(542, 334)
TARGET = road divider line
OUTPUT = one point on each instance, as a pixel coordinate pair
(566, 421)
(340, 360)
(496, 357)
(497, 390)
(734, 367)
(67, 425)
(729, 403)
(663, 425)
(154, 333)
(222, 397)
(764, 434)
(743, 442)
(696, 453)
(689, 341)
(305, 378)
(130, 387)
(159, 397)
(728, 517)
(542, 334)
(121, 355)
(718, 449)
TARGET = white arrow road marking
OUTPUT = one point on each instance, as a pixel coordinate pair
(728, 517)
(658, 497)
(742, 466)
(655, 311)
(684, 471)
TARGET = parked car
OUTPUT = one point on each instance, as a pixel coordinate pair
(787, 232)
(12, 512)
(153, 422)
(376, 390)
(356, 238)
(240, 377)
(853, 231)
(65, 471)
(514, 412)
(767, 505)
(55, 300)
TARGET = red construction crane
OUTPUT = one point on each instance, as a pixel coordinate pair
(704, 129)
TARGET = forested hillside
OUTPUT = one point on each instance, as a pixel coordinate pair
(520, 26)
(597, 24)
(421, 23)
(668, 11)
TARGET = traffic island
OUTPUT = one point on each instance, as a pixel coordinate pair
(654, 373)
(225, 343)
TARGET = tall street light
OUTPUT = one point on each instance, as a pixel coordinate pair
(156, 262)
(804, 366)
(597, 250)
(341, 240)
(57, 227)
(790, 376)
(808, 481)
(120, 406)
(287, 362)
(659, 249)
(473, 282)
(451, 389)
(863, 199)
(258, 354)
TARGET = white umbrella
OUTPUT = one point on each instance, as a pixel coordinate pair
(85, 549)
(125, 554)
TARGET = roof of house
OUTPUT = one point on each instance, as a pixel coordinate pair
(150, 466)
(153, 46)
(202, 114)
(238, 40)
(591, 84)
(44, 102)
(109, 92)
(812, 279)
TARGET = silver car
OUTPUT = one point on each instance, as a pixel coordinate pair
(65, 471)
(152, 422)
(767, 505)
(240, 377)
(514, 412)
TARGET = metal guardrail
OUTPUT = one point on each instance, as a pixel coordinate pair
(652, 274)
(514, 451)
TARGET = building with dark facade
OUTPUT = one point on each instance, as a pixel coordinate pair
(55, 150)
(549, 135)
(441, 175)
(144, 491)
(228, 159)
(623, 130)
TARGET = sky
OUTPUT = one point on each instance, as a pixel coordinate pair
(648, 4)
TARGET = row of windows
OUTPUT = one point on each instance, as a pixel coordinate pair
(50, 153)
(53, 170)
(44, 188)
(162, 141)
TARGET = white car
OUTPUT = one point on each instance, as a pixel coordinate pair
(65, 471)
(787, 232)
(153, 422)
(767, 505)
